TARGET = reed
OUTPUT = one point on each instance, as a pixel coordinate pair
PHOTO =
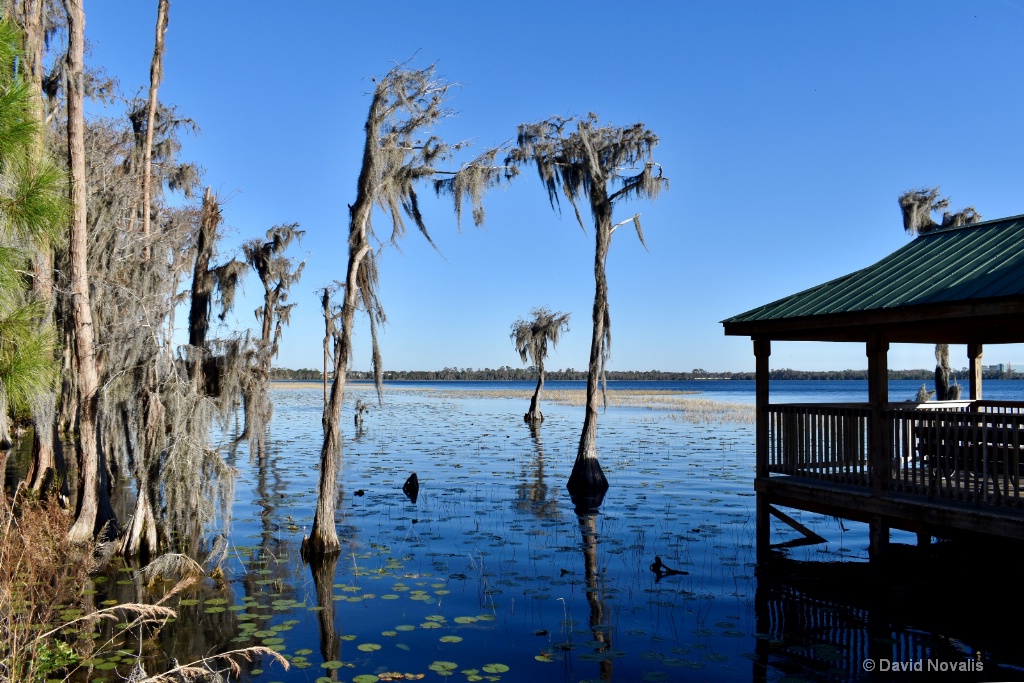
(680, 405)
(42, 610)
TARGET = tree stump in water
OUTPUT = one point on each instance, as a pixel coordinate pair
(411, 488)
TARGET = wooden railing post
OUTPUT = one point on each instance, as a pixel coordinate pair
(974, 356)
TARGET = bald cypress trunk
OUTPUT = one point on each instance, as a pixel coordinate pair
(88, 519)
(587, 477)
(155, 76)
(203, 282)
(534, 415)
(323, 537)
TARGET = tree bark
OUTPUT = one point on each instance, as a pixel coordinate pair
(323, 536)
(155, 76)
(534, 415)
(202, 288)
(587, 477)
(45, 457)
(87, 518)
(142, 539)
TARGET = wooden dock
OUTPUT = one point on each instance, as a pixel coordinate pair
(948, 467)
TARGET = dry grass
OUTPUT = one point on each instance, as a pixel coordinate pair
(202, 668)
(40, 576)
(42, 584)
(278, 385)
(679, 404)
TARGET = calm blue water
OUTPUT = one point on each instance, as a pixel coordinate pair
(742, 391)
(492, 575)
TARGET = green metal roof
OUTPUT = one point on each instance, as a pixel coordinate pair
(983, 261)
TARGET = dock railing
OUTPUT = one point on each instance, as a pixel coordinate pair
(820, 441)
(966, 451)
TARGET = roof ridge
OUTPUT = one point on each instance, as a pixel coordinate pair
(969, 226)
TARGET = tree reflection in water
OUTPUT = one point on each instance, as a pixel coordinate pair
(586, 513)
(323, 567)
(532, 491)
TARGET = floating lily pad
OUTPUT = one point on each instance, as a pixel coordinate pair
(495, 668)
(451, 639)
(368, 647)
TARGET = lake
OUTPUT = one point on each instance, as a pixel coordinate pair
(491, 575)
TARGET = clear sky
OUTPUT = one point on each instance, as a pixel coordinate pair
(787, 130)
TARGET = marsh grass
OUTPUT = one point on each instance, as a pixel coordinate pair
(679, 404)
(47, 622)
(41, 577)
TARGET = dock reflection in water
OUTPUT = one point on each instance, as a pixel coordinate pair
(922, 614)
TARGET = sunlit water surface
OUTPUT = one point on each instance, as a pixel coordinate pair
(491, 575)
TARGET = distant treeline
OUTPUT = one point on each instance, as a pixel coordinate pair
(509, 373)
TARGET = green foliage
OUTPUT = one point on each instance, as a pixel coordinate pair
(54, 656)
(33, 211)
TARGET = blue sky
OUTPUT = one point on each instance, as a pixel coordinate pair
(787, 131)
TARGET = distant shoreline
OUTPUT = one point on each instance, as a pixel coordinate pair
(529, 375)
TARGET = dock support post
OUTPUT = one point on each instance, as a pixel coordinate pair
(878, 453)
(763, 533)
(878, 539)
(762, 351)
